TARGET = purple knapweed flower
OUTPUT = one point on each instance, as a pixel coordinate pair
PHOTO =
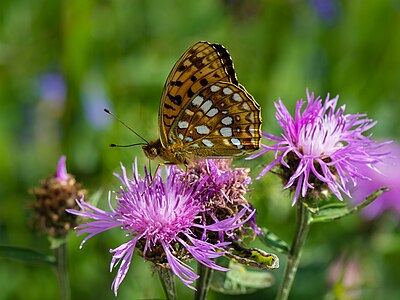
(388, 176)
(222, 192)
(321, 147)
(160, 217)
(55, 194)
(61, 173)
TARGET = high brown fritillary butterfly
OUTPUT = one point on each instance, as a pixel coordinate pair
(204, 111)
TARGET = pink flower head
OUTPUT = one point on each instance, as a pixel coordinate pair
(321, 147)
(160, 217)
(388, 176)
(61, 173)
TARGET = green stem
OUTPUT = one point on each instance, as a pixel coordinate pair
(167, 279)
(302, 226)
(203, 283)
(62, 271)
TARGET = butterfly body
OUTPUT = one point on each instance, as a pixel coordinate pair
(172, 154)
(204, 111)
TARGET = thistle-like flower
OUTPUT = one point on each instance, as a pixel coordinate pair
(222, 193)
(56, 193)
(161, 217)
(320, 148)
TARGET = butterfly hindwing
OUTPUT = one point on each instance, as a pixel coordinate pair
(221, 120)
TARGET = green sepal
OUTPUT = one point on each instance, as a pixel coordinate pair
(56, 242)
(25, 255)
(239, 280)
(272, 241)
(252, 257)
(335, 211)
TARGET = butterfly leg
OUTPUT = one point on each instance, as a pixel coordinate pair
(167, 163)
(153, 177)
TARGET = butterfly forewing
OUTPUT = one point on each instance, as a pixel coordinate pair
(221, 120)
(204, 111)
(199, 66)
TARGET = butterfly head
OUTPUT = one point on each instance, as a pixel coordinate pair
(152, 149)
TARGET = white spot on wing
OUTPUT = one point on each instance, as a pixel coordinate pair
(183, 124)
(227, 91)
(202, 129)
(237, 143)
(251, 129)
(195, 146)
(206, 106)
(245, 106)
(180, 136)
(188, 139)
(208, 143)
(212, 112)
(226, 131)
(215, 88)
(237, 97)
(227, 120)
(197, 101)
(250, 117)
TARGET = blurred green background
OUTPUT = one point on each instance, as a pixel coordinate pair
(62, 62)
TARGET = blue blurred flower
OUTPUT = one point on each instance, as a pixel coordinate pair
(95, 99)
(327, 10)
(53, 88)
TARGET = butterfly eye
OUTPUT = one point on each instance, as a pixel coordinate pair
(150, 150)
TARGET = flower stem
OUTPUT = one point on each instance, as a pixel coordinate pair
(62, 271)
(203, 283)
(167, 281)
(302, 226)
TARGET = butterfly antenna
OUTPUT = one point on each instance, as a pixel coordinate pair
(133, 131)
(124, 146)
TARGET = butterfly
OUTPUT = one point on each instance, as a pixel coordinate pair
(204, 111)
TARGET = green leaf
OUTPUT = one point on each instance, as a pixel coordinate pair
(272, 241)
(25, 255)
(238, 280)
(95, 197)
(252, 257)
(330, 212)
(335, 211)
